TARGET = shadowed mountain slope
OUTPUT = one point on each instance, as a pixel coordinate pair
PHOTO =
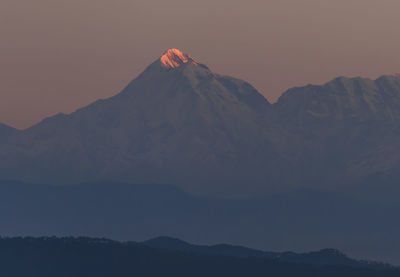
(6, 131)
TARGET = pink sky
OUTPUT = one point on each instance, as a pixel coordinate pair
(57, 56)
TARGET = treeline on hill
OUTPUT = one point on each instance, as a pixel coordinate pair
(85, 257)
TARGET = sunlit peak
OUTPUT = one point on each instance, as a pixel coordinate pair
(174, 58)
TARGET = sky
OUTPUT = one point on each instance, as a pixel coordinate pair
(60, 55)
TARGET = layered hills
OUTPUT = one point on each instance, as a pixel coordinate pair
(50, 256)
(300, 221)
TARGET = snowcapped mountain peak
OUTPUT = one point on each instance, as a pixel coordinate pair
(174, 58)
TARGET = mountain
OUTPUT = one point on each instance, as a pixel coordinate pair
(320, 168)
(298, 221)
(349, 128)
(342, 100)
(177, 123)
(88, 257)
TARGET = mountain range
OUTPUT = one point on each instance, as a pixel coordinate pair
(185, 152)
(179, 123)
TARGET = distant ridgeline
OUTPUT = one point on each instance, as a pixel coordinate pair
(298, 221)
(86, 257)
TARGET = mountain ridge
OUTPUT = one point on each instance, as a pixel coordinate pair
(180, 123)
(165, 123)
(323, 257)
(393, 77)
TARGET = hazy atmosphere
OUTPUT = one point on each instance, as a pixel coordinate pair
(199, 138)
(57, 56)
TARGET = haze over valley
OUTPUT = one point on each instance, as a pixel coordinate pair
(190, 138)
(180, 143)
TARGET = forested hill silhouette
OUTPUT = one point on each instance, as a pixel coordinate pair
(85, 257)
(310, 219)
(324, 257)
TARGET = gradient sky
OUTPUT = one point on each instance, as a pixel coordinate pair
(59, 55)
